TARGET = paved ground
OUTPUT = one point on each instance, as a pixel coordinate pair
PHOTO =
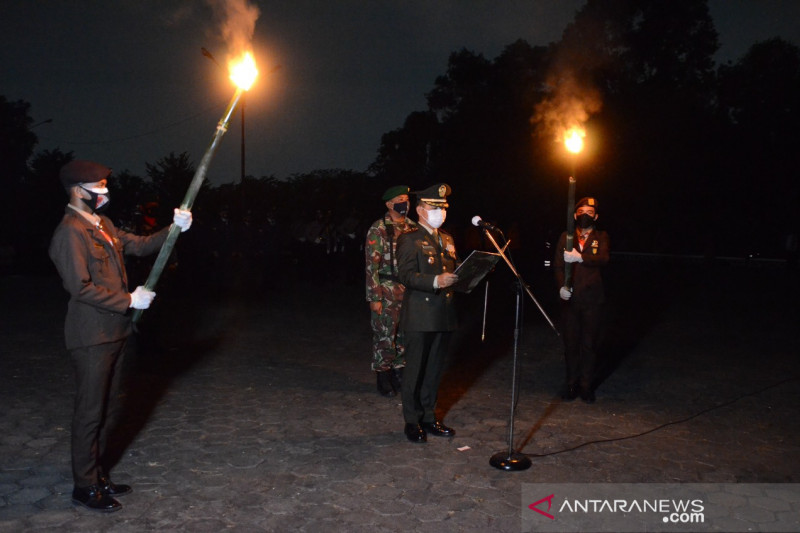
(260, 414)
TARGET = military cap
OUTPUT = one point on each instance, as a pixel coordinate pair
(79, 171)
(589, 201)
(435, 195)
(397, 190)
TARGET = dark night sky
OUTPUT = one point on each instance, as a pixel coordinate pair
(125, 83)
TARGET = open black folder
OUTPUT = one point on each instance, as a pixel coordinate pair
(474, 269)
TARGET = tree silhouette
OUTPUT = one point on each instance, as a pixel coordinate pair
(169, 178)
(684, 157)
(653, 65)
(16, 146)
(404, 153)
(638, 74)
(759, 96)
(16, 140)
(41, 182)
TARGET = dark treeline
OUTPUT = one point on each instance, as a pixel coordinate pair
(686, 156)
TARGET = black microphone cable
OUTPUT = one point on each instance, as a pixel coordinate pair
(667, 424)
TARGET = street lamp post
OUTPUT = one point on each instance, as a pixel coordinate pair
(210, 56)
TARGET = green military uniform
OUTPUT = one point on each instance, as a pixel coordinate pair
(428, 317)
(384, 286)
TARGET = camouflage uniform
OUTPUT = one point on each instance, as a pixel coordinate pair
(383, 286)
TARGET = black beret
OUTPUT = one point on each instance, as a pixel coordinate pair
(79, 171)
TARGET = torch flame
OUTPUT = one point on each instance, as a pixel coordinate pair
(573, 139)
(244, 71)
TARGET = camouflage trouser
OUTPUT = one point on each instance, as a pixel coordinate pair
(387, 341)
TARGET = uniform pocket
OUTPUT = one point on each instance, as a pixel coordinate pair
(99, 259)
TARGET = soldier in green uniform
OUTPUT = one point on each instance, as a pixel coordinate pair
(384, 290)
(426, 261)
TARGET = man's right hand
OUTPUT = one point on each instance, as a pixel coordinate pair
(573, 256)
(141, 298)
(565, 293)
(377, 307)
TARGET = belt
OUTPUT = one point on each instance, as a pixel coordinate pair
(389, 277)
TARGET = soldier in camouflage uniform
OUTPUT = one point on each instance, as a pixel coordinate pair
(384, 290)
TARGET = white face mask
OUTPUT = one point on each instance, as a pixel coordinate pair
(436, 217)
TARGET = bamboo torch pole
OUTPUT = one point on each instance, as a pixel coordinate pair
(573, 141)
(570, 231)
(188, 199)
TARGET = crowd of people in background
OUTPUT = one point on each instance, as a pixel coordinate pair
(252, 250)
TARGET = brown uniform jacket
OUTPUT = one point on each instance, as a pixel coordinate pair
(587, 283)
(419, 261)
(93, 273)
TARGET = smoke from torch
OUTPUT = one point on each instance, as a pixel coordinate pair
(567, 109)
(562, 116)
(243, 73)
(238, 22)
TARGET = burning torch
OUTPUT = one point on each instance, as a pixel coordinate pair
(573, 141)
(243, 74)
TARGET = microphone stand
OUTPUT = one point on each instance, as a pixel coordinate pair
(511, 460)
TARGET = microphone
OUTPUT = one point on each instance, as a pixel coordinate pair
(478, 221)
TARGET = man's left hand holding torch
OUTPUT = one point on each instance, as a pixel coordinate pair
(142, 297)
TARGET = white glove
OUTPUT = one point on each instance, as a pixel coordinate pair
(565, 293)
(182, 219)
(573, 257)
(141, 298)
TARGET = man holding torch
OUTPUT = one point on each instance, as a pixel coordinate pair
(582, 298)
(87, 250)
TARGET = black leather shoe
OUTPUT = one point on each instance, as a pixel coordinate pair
(113, 489)
(94, 499)
(385, 384)
(415, 433)
(587, 396)
(569, 392)
(438, 429)
(396, 377)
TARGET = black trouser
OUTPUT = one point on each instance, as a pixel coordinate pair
(98, 378)
(425, 356)
(580, 325)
